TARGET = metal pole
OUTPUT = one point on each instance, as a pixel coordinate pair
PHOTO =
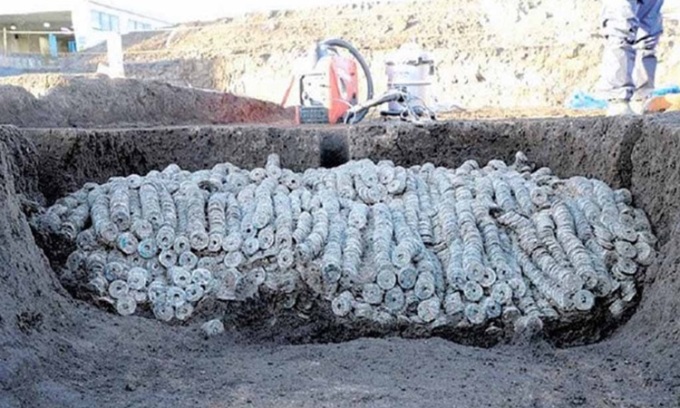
(4, 40)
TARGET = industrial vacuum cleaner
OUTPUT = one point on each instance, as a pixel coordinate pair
(329, 92)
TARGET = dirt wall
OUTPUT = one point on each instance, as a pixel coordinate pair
(71, 157)
(596, 147)
(656, 187)
(32, 301)
(593, 147)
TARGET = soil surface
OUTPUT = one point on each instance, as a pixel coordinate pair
(48, 100)
(59, 352)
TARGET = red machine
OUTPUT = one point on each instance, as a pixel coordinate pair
(331, 89)
(329, 93)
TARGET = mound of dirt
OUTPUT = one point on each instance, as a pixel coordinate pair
(75, 101)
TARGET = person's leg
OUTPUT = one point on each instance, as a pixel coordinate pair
(619, 24)
(651, 27)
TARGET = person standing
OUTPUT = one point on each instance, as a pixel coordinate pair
(631, 29)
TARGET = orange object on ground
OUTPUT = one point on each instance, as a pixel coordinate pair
(666, 103)
(328, 93)
(344, 87)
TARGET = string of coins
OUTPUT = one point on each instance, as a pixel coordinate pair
(425, 245)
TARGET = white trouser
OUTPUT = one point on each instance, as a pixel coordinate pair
(632, 29)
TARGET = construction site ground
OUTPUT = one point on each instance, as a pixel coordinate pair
(88, 100)
(550, 50)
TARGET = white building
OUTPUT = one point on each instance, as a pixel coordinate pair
(55, 26)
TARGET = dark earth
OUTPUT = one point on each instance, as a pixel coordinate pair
(57, 351)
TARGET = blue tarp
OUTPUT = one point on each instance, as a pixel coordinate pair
(673, 89)
(583, 101)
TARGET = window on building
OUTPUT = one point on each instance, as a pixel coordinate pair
(134, 25)
(114, 23)
(94, 18)
(104, 21)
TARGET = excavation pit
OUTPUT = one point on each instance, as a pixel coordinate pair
(42, 165)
